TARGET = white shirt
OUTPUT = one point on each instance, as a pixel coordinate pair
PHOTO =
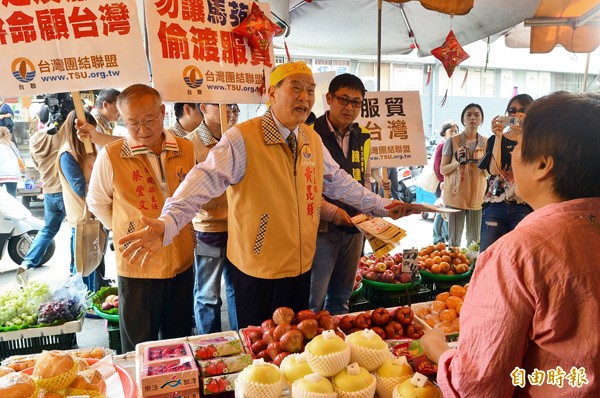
(226, 165)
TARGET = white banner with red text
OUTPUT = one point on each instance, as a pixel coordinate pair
(60, 46)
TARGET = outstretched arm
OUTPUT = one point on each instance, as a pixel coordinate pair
(141, 245)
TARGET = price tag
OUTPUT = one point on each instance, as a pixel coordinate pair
(409, 260)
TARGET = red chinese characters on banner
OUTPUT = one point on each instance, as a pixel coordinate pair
(206, 43)
(59, 23)
(310, 175)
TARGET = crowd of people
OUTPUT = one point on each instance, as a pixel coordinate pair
(266, 206)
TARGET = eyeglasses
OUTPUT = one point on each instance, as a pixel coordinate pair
(513, 110)
(233, 108)
(136, 125)
(344, 101)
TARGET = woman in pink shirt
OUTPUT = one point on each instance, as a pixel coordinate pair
(529, 323)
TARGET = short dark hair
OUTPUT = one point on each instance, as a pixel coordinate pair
(178, 108)
(347, 80)
(108, 94)
(471, 105)
(566, 127)
(446, 126)
(523, 99)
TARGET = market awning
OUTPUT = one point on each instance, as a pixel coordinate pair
(574, 24)
(338, 27)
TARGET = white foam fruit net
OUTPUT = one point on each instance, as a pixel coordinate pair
(328, 365)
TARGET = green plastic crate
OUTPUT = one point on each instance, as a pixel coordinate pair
(114, 336)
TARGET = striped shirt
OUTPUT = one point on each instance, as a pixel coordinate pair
(226, 165)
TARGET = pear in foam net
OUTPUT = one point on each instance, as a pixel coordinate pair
(327, 354)
(368, 349)
(313, 386)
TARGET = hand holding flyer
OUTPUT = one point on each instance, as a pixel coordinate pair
(383, 236)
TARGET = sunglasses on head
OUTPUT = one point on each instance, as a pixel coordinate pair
(514, 110)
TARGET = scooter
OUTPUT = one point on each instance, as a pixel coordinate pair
(18, 228)
(406, 185)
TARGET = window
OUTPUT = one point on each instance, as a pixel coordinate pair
(568, 82)
(475, 83)
(407, 77)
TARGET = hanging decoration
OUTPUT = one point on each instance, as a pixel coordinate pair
(451, 54)
(258, 29)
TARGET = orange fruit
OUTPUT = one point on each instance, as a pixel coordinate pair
(446, 258)
(423, 312)
(445, 267)
(428, 262)
(446, 327)
(453, 302)
(448, 315)
(463, 258)
(443, 296)
(457, 290)
(440, 246)
(436, 269)
(435, 254)
(450, 272)
(461, 268)
(456, 261)
(458, 308)
(429, 249)
(438, 306)
(432, 320)
(437, 259)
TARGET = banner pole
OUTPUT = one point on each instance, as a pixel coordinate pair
(81, 118)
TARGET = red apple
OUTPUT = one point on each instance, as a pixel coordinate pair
(380, 317)
(279, 358)
(292, 341)
(397, 258)
(266, 325)
(253, 335)
(379, 331)
(308, 328)
(362, 321)
(393, 330)
(396, 269)
(274, 348)
(405, 277)
(371, 275)
(404, 315)
(258, 346)
(322, 313)
(264, 355)
(387, 276)
(326, 322)
(283, 315)
(388, 261)
(380, 267)
(280, 330)
(268, 336)
(305, 314)
(346, 323)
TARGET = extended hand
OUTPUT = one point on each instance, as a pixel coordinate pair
(84, 131)
(342, 218)
(145, 242)
(434, 344)
(399, 209)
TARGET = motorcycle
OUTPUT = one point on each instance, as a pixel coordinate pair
(18, 228)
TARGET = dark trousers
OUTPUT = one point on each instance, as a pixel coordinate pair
(257, 298)
(155, 309)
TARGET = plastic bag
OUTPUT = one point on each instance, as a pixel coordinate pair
(68, 302)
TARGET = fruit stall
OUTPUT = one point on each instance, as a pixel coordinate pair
(372, 351)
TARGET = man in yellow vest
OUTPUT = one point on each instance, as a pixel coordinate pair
(275, 170)
(133, 176)
(106, 112)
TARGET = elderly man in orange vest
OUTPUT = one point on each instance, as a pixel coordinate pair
(133, 177)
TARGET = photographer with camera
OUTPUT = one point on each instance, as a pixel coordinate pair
(502, 208)
(43, 148)
(464, 182)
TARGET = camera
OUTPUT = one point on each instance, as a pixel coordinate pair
(463, 158)
(510, 120)
(59, 105)
(498, 187)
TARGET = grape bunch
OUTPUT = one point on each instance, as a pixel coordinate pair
(19, 307)
(57, 310)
